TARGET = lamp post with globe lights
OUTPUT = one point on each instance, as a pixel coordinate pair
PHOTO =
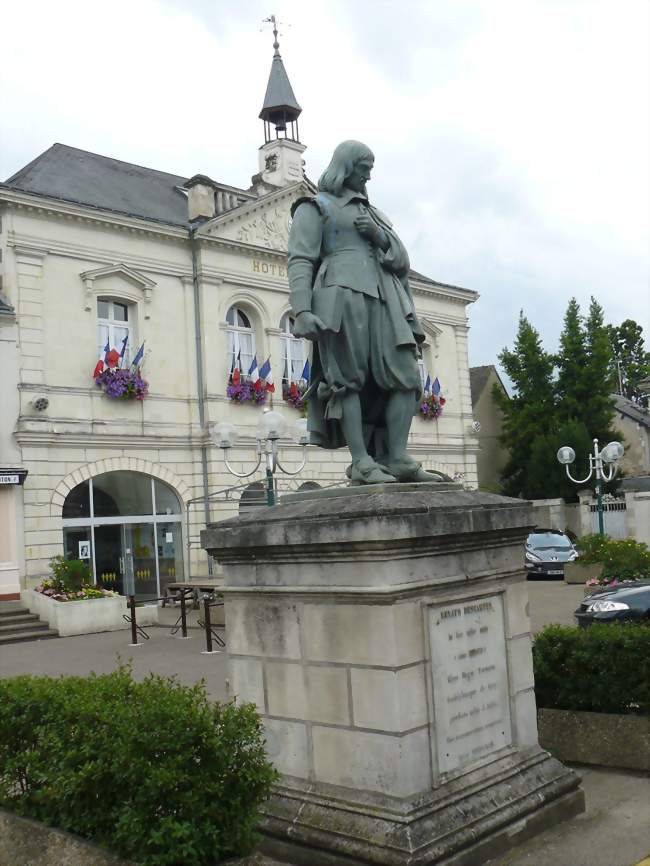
(609, 455)
(271, 427)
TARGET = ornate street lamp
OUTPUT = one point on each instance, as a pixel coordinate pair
(610, 455)
(271, 427)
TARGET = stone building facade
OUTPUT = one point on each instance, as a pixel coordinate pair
(94, 249)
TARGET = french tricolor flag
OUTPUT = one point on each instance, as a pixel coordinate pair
(254, 375)
(266, 375)
(99, 366)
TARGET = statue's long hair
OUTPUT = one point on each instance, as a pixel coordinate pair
(344, 158)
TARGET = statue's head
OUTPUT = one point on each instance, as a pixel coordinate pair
(350, 166)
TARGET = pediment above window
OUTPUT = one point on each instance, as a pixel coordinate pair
(117, 280)
(433, 333)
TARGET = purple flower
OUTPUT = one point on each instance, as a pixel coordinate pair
(244, 392)
(123, 384)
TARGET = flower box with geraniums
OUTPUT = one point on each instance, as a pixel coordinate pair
(293, 394)
(71, 604)
(119, 380)
(432, 402)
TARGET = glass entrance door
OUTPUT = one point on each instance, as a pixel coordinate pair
(140, 551)
(109, 557)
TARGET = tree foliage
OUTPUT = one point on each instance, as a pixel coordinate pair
(630, 361)
(562, 399)
(529, 412)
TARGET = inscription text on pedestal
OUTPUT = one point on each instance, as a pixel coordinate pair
(471, 703)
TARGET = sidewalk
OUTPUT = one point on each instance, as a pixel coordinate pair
(614, 831)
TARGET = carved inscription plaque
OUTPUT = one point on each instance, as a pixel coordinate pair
(470, 681)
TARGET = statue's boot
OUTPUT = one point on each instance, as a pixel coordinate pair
(366, 471)
(409, 470)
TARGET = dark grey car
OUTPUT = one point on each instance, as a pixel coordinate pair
(546, 552)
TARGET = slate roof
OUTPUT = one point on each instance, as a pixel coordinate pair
(81, 177)
(77, 176)
(631, 410)
(279, 93)
(478, 377)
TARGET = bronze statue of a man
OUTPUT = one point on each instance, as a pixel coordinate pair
(348, 274)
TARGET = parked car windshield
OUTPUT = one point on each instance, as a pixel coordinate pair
(543, 540)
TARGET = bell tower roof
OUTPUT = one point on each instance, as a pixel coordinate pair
(280, 105)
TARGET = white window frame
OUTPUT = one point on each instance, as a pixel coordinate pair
(236, 333)
(294, 351)
(108, 328)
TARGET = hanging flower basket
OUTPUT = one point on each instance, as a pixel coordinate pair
(246, 392)
(431, 406)
(293, 394)
(122, 384)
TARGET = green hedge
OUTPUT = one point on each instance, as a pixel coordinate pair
(151, 770)
(602, 669)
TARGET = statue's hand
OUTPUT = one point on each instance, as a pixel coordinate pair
(308, 326)
(368, 228)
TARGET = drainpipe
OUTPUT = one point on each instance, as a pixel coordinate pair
(199, 375)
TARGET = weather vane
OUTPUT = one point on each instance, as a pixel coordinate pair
(273, 20)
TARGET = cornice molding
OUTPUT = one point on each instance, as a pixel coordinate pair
(100, 255)
(89, 215)
(29, 251)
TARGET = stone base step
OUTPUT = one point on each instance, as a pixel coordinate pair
(30, 623)
(23, 636)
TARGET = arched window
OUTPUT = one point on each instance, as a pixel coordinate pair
(115, 322)
(241, 340)
(294, 351)
(253, 496)
(128, 528)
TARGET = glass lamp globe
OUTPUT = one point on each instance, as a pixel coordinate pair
(272, 425)
(223, 434)
(299, 432)
(566, 455)
(612, 452)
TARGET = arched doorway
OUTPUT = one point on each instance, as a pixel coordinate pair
(128, 527)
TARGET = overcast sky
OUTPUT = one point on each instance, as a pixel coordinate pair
(511, 136)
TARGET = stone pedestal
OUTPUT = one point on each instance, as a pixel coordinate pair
(384, 636)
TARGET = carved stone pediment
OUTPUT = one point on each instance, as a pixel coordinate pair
(264, 223)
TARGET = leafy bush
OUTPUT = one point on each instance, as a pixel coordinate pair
(71, 581)
(602, 669)
(151, 770)
(624, 559)
(591, 547)
(72, 574)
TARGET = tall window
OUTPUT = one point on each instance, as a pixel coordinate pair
(294, 351)
(241, 339)
(114, 323)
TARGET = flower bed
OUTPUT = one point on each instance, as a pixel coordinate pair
(85, 616)
(618, 559)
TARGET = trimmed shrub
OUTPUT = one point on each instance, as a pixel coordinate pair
(602, 669)
(151, 770)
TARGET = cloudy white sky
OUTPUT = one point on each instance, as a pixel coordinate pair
(511, 136)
